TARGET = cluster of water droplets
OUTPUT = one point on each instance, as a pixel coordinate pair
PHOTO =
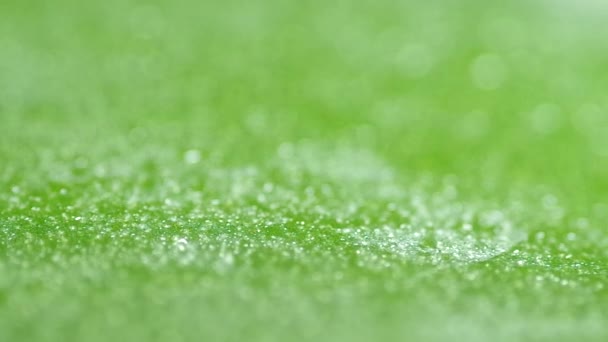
(317, 203)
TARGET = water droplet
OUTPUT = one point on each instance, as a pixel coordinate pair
(192, 157)
(571, 236)
(181, 244)
(540, 236)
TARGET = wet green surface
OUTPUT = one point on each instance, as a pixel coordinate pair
(266, 170)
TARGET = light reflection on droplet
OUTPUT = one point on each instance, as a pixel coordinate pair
(192, 157)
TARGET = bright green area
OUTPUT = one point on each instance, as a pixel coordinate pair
(303, 170)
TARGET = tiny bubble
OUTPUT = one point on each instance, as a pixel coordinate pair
(181, 244)
(192, 157)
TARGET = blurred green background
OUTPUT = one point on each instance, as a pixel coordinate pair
(314, 170)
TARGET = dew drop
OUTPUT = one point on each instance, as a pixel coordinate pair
(181, 244)
(192, 157)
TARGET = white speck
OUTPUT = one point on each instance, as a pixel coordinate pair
(488, 72)
(261, 198)
(571, 236)
(268, 187)
(228, 259)
(540, 236)
(192, 157)
(181, 244)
